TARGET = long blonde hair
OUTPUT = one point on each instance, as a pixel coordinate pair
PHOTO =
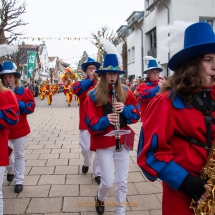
(2, 88)
(102, 91)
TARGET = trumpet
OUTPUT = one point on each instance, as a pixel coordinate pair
(97, 77)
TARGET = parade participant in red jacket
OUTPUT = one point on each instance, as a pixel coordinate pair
(100, 120)
(81, 88)
(179, 125)
(9, 116)
(148, 89)
(18, 133)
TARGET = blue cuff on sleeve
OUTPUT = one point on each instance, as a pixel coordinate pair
(155, 90)
(21, 106)
(87, 84)
(101, 125)
(173, 175)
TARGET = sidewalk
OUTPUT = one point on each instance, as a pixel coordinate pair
(54, 183)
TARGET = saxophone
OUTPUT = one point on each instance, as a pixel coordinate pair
(117, 124)
(207, 207)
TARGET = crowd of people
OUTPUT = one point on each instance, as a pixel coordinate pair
(176, 137)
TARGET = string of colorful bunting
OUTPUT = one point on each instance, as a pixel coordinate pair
(54, 38)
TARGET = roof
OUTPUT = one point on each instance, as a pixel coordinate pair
(23, 52)
(52, 58)
(63, 63)
(132, 14)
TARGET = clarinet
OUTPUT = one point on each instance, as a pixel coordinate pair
(117, 124)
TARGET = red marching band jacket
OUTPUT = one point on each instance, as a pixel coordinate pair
(9, 117)
(146, 92)
(99, 125)
(161, 154)
(26, 106)
(81, 88)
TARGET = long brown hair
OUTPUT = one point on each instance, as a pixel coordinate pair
(186, 81)
(102, 91)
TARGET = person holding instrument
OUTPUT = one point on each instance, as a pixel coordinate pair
(149, 88)
(101, 118)
(178, 131)
(9, 116)
(80, 89)
(18, 133)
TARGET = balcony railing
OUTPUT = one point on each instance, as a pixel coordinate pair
(152, 52)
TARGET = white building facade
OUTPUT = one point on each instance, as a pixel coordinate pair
(157, 13)
(44, 61)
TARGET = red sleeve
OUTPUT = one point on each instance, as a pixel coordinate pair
(9, 109)
(153, 148)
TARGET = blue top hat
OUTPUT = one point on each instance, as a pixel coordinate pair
(199, 39)
(152, 64)
(110, 64)
(90, 61)
(8, 68)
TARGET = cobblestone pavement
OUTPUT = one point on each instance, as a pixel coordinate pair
(54, 183)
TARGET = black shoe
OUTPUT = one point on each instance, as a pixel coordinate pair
(18, 188)
(100, 206)
(10, 177)
(98, 179)
(85, 169)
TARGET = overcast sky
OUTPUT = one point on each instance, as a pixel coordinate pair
(74, 18)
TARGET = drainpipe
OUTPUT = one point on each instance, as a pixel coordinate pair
(168, 20)
(142, 69)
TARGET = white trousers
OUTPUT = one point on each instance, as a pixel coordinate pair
(2, 170)
(84, 140)
(108, 158)
(17, 159)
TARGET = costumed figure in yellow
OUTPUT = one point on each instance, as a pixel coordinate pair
(48, 92)
(67, 78)
(58, 89)
(42, 91)
(53, 89)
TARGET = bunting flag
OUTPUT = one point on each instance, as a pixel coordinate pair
(54, 38)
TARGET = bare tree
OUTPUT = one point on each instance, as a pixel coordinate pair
(52, 72)
(105, 32)
(83, 59)
(17, 58)
(10, 16)
(124, 58)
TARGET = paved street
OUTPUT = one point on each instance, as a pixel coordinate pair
(54, 183)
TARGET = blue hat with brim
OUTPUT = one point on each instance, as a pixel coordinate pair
(152, 65)
(199, 39)
(8, 68)
(110, 64)
(90, 61)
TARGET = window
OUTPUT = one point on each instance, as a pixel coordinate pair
(129, 55)
(208, 20)
(152, 43)
(133, 54)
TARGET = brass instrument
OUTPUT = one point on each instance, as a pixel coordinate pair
(207, 207)
(117, 124)
(97, 78)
